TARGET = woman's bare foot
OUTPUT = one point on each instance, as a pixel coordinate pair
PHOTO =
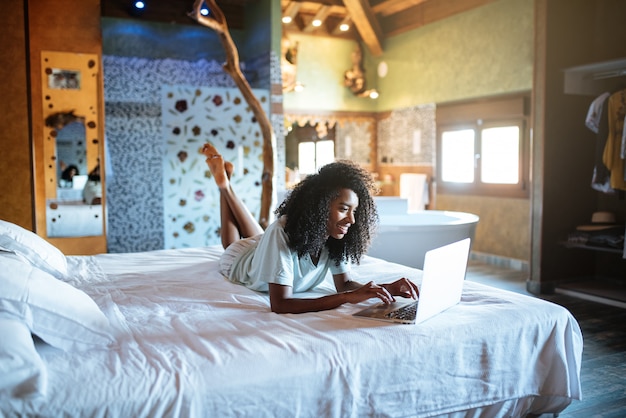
(217, 166)
(229, 168)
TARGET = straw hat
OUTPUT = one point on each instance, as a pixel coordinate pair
(599, 221)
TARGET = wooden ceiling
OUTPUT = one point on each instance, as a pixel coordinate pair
(369, 21)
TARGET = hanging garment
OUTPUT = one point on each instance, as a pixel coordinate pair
(611, 156)
(601, 178)
(622, 153)
(595, 111)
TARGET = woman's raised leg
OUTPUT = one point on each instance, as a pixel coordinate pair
(236, 220)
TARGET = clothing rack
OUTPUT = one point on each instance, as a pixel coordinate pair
(593, 79)
(609, 74)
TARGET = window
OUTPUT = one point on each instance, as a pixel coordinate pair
(483, 148)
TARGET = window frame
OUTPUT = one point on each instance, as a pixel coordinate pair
(479, 115)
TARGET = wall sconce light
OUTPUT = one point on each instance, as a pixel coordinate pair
(298, 87)
(354, 78)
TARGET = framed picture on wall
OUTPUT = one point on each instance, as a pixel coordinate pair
(64, 79)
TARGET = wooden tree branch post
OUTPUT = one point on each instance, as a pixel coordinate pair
(217, 22)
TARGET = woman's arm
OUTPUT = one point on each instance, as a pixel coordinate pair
(282, 300)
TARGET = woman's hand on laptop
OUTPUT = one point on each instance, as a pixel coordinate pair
(403, 287)
(368, 291)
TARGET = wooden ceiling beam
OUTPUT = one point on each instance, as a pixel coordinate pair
(345, 21)
(389, 7)
(366, 24)
(321, 15)
(425, 13)
(291, 10)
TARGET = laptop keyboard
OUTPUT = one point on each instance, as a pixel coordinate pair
(405, 313)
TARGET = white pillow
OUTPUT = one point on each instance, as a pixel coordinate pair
(22, 372)
(60, 314)
(32, 248)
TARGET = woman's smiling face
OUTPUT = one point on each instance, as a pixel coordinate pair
(342, 213)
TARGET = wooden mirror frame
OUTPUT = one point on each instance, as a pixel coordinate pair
(84, 100)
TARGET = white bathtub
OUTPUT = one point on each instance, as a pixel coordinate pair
(405, 238)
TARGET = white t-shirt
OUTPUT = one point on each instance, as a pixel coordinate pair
(272, 261)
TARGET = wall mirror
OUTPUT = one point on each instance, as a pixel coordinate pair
(307, 149)
(72, 150)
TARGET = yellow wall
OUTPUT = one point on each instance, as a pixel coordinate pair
(504, 226)
(483, 52)
(322, 63)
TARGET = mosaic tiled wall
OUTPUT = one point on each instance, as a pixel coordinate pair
(408, 136)
(354, 140)
(136, 146)
(191, 117)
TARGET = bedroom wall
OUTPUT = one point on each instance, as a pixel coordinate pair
(136, 144)
(334, 96)
(141, 60)
(484, 52)
(15, 159)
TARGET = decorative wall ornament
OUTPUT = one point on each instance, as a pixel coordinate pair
(289, 65)
(354, 78)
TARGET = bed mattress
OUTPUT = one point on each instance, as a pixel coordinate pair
(189, 343)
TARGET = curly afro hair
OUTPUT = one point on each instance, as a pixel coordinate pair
(307, 209)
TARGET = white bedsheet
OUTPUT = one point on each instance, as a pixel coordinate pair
(192, 344)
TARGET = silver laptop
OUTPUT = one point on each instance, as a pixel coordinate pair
(441, 288)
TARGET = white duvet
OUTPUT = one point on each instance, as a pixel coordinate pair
(192, 344)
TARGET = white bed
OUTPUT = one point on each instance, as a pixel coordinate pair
(188, 343)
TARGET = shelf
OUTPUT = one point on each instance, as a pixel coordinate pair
(593, 247)
(602, 291)
(594, 79)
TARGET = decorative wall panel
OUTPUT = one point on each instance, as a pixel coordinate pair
(191, 117)
(135, 129)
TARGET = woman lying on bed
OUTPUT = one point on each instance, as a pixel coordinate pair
(325, 223)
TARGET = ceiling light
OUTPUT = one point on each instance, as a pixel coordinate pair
(287, 19)
(139, 5)
(204, 11)
(344, 27)
(316, 23)
(373, 94)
